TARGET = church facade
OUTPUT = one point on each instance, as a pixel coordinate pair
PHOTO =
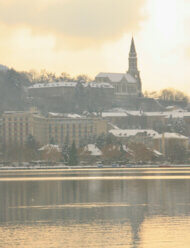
(125, 84)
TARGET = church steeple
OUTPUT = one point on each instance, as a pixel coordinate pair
(133, 70)
(132, 48)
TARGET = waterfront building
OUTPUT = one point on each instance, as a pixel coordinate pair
(66, 128)
(54, 128)
(17, 126)
(166, 142)
(127, 136)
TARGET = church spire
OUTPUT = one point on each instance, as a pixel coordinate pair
(132, 59)
(133, 69)
(132, 48)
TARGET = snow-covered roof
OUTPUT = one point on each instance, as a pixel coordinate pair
(117, 77)
(157, 153)
(135, 112)
(114, 114)
(127, 149)
(155, 114)
(124, 133)
(177, 114)
(70, 115)
(50, 147)
(74, 116)
(167, 114)
(93, 149)
(54, 84)
(113, 126)
(3, 68)
(71, 84)
(100, 85)
(170, 136)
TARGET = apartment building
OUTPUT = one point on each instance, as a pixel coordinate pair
(54, 128)
(16, 127)
(66, 128)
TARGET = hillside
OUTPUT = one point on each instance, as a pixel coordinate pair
(12, 90)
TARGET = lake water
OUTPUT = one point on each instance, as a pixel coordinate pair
(136, 208)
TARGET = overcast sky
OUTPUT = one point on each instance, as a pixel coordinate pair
(90, 36)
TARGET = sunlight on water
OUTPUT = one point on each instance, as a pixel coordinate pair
(71, 178)
(160, 232)
(131, 208)
(82, 205)
(71, 236)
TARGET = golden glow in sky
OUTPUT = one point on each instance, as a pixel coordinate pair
(89, 36)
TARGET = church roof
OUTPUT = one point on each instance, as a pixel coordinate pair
(117, 77)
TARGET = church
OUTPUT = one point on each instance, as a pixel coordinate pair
(125, 84)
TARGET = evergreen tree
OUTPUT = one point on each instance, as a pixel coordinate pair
(73, 156)
(52, 141)
(65, 153)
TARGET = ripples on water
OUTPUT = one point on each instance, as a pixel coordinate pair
(136, 208)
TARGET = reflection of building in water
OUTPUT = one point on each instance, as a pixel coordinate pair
(89, 201)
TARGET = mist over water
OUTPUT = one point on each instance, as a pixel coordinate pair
(136, 208)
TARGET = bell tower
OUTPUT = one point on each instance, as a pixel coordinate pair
(133, 69)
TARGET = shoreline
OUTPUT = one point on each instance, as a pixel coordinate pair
(88, 167)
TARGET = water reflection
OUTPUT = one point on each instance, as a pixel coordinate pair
(98, 213)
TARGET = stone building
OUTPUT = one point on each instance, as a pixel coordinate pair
(54, 89)
(125, 84)
(142, 136)
(68, 97)
(66, 128)
(54, 128)
(165, 142)
(17, 126)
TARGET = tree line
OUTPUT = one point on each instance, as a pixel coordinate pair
(168, 94)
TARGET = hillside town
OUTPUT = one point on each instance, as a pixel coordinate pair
(108, 120)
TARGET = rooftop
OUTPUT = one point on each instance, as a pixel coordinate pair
(70, 84)
(60, 115)
(100, 85)
(124, 133)
(54, 84)
(117, 77)
(93, 149)
(170, 136)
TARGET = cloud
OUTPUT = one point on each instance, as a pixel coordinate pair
(76, 23)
